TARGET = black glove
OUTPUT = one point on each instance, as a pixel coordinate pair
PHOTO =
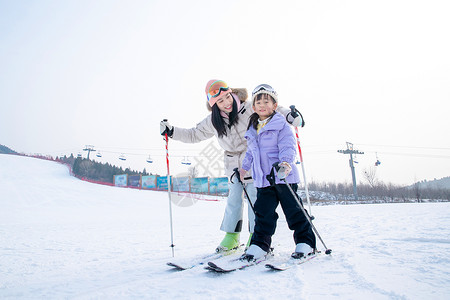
(165, 127)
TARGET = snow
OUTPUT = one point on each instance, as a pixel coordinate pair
(65, 238)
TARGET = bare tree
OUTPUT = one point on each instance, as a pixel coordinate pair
(371, 176)
(193, 172)
(417, 191)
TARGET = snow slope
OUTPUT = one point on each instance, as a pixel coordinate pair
(64, 238)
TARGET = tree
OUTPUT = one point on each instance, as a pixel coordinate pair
(193, 172)
(371, 176)
(417, 191)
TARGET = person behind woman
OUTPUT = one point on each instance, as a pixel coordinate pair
(271, 140)
(227, 121)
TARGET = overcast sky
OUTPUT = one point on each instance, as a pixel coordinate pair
(104, 73)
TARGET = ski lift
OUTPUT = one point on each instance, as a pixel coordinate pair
(186, 161)
(79, 155)
(122, 157)
(378, 162)
(297, 162)
(149, 159)
(99, 154)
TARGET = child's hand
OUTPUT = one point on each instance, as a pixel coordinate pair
(242, 173)
(284, 170)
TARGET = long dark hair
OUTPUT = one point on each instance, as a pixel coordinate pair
(253, 120)
(218, 122)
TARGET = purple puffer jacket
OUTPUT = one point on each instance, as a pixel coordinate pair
(274, 143)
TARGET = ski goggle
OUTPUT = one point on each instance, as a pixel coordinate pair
(263, 87)
(216, 88)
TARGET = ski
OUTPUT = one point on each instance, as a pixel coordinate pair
(189, 264)
(181, 266)
(292, 262)
(234, 265)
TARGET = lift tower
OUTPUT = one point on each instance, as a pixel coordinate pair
(351, 151)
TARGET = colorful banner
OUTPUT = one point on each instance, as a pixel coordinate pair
(149, 182)
(134, 180)
(218, 186)
(199, 185)
(120, 180)
(161, 183)
(181, 184)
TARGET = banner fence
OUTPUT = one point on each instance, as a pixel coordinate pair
(198, 185)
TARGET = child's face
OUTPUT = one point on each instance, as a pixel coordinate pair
(264, 107)
(225, 103)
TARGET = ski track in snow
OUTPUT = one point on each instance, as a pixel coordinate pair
(64, 238)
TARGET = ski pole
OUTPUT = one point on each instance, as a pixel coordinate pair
(236, 173)
(168, 190)
(295, 113)
(327, 251)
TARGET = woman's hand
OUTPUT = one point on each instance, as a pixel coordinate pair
(242, 173)
(165, 127)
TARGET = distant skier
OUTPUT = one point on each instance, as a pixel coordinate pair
(228, 122)
(271, 140)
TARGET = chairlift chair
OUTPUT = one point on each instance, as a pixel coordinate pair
(149, 159)
(378, 162)
(186, 161)
(122, 157)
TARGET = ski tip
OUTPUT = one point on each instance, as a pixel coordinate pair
(217, 269)
(275, 268)
(176, 267)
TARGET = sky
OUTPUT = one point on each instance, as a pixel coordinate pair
(104, 73)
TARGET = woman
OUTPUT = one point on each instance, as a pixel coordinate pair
(228, 122)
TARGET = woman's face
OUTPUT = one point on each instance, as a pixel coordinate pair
(264, 107)
(225, 103)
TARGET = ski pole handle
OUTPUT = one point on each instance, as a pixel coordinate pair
(276, 166)
(236, 173)
(294, 112)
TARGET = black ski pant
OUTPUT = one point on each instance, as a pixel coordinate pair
(266, 217)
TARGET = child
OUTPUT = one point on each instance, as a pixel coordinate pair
(270, 140)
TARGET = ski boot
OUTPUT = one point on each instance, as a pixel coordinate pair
(302, 250)
(229, 242)
(253, 253)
